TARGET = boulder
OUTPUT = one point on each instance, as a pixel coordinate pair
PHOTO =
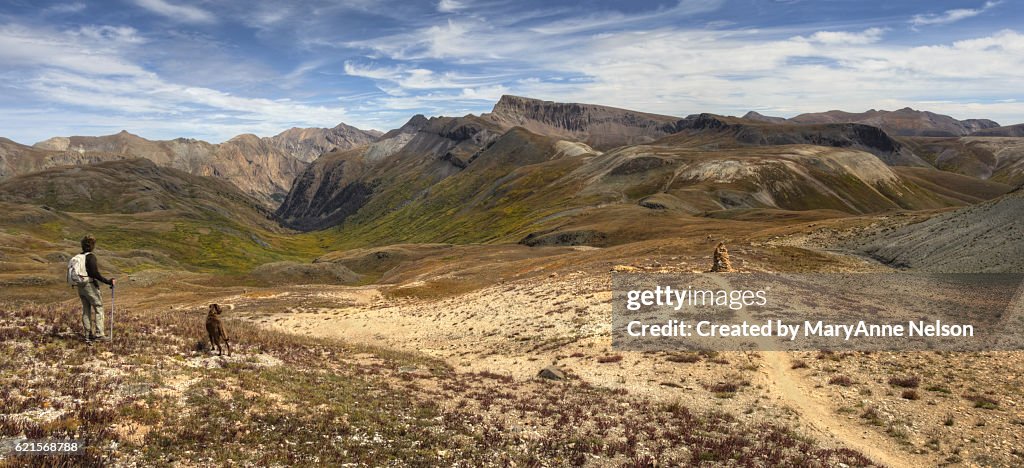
(551, 373)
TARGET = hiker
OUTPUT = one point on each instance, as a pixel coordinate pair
(88, 288)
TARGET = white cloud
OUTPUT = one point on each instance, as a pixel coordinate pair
(78, 51)
(410, 78)
(64, 8)
(182, 13)
(446, 64)
(607, 20)
(680, 71)
(448, 6)
(86, 71)
(868, 36)
(951, 16)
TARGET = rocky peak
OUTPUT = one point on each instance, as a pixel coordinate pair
(757, 116)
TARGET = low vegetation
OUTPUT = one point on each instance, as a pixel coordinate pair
(149, 398)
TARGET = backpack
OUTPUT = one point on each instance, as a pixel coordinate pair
(77, 274)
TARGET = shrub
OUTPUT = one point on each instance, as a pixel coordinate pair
(724, 387)
(840, 380)
(907, 381)
(982, 401)
(799, 364)
(610, 358)
(909, 394)
(872, 416)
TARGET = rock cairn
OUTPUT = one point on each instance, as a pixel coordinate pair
(720, 261)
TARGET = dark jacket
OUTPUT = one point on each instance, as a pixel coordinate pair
(94, 271)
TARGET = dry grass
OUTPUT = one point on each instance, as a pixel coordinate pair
(149, 398)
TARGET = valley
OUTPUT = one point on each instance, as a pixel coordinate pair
(441, 293)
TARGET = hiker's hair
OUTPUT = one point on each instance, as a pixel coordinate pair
(88, 243)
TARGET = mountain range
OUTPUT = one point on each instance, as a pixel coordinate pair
(903, 122)
(262, 167)
(538, 175)
(543, 173)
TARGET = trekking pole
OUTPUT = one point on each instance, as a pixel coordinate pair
(111, 313)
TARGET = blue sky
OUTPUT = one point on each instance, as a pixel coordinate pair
(213, 69)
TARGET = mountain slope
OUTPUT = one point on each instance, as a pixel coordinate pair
(150, 216)
(262, 167)
(462, 180)
(307, 144)
(1000, 159)
(1007, 131)
(253, 164)
(130, 187)
(601, 127)
(16, 158)
(403, 163)
(713, 131)
(983, 238)
(903, 122)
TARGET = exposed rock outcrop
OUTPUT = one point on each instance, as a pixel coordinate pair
(601, 127)
(551, 373)
(307, 144)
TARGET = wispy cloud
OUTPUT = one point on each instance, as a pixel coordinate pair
(269, 65)
(868, 36)
(64, 8)
(408, 78)
(181, 13)
(951, 16)
(76, 50)
(617, 20)
(87, 70)
(448, 6)
(720, 71)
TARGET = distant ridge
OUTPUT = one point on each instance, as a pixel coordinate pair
(262, 167)
(1007, 131)
(711, 129)
(903, 122)
(483, 179)
(601, 127)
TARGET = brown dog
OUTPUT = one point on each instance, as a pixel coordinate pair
(216, 330)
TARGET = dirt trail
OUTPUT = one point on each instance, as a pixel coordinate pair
(784, 385)
(790, 388)
(457, 331)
